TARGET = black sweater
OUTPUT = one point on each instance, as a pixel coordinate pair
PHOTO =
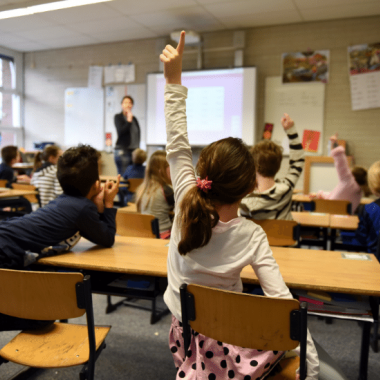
(123, 128)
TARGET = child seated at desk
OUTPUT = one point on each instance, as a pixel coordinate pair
(155, 195)
(45, 175)
(352, 184)
(84, 209)
(10, 155)
(272, 199)
(368, 230)
(210, 244)
(135, 170)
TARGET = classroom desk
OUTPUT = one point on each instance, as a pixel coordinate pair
(344, 222)
(15, 198)
(10, 193)
(131, 207)
(23, 165)
(305, 198)
(301, 269)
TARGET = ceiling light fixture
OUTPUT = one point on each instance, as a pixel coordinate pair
(47, 7)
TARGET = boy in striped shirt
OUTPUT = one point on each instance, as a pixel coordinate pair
(272, 199)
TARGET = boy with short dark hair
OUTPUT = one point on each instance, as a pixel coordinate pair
(272, 199)
(84, 209)
(9, 156)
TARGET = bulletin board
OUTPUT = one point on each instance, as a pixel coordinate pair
(303, 102)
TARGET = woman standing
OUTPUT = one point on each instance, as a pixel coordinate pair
(128, 135)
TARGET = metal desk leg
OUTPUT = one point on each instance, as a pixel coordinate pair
(333, 237)
(364, 352)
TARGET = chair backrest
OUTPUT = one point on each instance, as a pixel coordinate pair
(244, 320)
(21, 186)
(136, 224)
(134, 183)
(280, 233)
(331, 206)
(3, 182)
(40, 295)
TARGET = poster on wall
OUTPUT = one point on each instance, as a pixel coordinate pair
(364, 71)
(119, 74)
(310, 66)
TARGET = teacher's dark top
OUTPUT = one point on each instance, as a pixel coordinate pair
(128, 133)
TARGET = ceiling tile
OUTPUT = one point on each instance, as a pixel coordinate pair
(104, 25)
(181, 18)
(249, 7)
(24, 23)
(337, 12)
(81, 13)
(27, 46)
(67, 42)
(127, 34)
(50, 32)
(260, 19)
(307, 4)
(143, 6)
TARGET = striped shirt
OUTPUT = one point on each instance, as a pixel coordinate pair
(46, 181)
(276, 202)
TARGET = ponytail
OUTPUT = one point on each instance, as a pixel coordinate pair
(37, 161)
(198, 218)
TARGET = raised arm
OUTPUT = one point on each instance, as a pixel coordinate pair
(178, 148)
(340, 160)
(296, 152)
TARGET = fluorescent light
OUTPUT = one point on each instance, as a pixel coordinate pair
(47, 7)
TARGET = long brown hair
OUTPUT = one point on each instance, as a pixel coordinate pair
(41, 157)
(230, 166)
(155, 176)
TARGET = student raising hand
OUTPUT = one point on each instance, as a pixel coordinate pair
(287, 122)
(111, 188)
(172, 59)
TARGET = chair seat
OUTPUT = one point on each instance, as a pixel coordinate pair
(288, 369)
(54, 346)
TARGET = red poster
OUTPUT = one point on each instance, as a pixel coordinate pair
(310, 140)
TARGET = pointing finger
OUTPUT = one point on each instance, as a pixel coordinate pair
(181, 43)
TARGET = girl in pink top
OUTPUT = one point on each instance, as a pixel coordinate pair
(348, 187)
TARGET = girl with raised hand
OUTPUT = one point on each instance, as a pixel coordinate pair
(210, 244)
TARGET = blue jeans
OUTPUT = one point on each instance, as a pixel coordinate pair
(123, 158)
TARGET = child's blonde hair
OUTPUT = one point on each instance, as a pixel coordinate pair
(138, 156)
(155, 176)
(374, 178)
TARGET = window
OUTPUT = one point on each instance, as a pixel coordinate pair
(11, 132)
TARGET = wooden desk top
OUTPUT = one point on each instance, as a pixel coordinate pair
(344, 222)
(311, 219)
(306, 198)
(10, 193)
(301, 268)
(130, 208)
(23, 165)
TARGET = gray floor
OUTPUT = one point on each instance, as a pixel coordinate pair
(137, 350)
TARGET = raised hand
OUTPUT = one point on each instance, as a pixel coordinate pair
(172, 59)
(287, 122)
(98, 198)
(111, 188)
(334, 138)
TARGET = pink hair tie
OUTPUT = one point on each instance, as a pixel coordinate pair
(204, 184)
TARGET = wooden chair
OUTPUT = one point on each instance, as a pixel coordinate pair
(138, 225)
(31, 198)
(280, 233)
(3, 182)
(51, 296)
(134, 183)
(146, 226)
(330, 206)
(244, 320)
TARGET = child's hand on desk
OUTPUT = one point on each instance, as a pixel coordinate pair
(98, 199)
(172, 59)
(287, 122)
(111, 188)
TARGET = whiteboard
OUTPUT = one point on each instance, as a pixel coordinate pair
(304, 102)
(113, 96)
(84, 117)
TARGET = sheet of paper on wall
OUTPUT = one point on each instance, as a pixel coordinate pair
(95, 76)
(310, 140)
(364, 71)
(119, 74)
